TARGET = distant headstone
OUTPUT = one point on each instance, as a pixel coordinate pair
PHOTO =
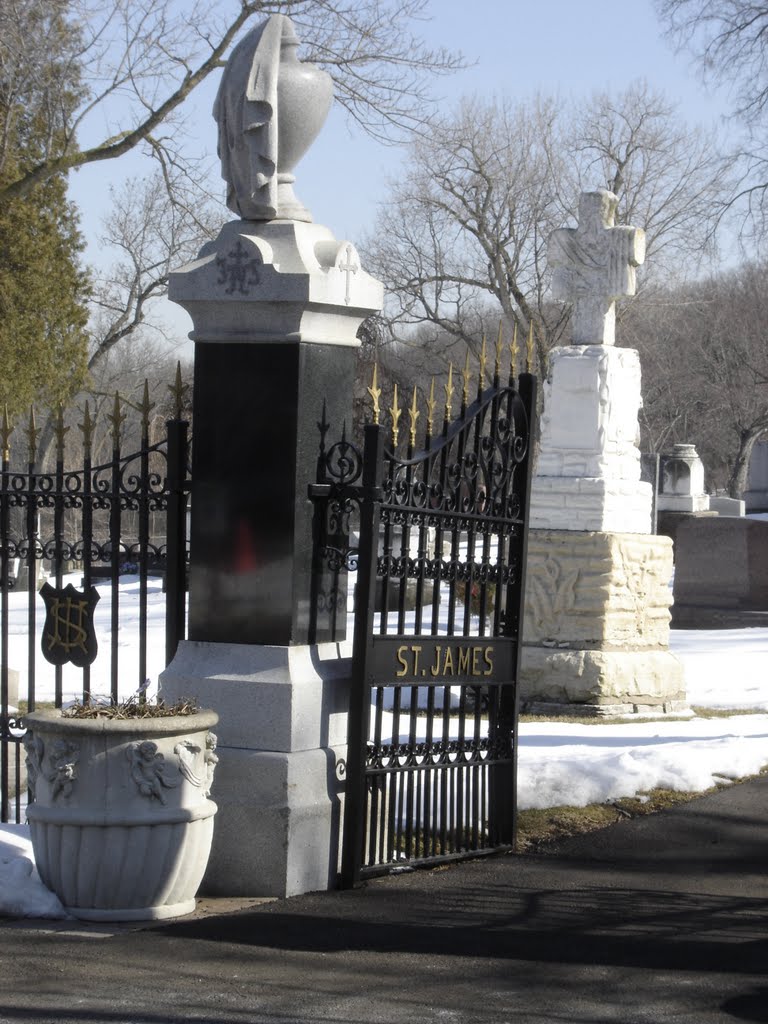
(756, 494)
(681, 481)
(721, 573)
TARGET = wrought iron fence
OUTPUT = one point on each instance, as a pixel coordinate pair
(68, 539)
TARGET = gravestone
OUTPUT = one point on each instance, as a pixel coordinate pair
(596, 630)
(756, 494)
(276, 302)
(681, 481)
(721, 573)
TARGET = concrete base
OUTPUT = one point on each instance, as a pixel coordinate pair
(282, 745)
(596, 630)
(631, 681)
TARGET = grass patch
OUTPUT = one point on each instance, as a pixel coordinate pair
(536, 829)
(724, 712)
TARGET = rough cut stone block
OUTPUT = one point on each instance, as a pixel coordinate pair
(597, 588)
(636, 678)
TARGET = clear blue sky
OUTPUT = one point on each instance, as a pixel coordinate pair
(565, 47)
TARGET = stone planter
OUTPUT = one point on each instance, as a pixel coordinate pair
(121, 822)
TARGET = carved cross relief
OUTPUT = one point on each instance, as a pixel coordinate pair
(594, 264)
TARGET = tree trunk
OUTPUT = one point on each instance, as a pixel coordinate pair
(737, 482)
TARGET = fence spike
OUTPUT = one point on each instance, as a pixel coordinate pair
(414, 414)
(32, 434)
(449, 395)
(394, 413)
(529, 350)
(5, 434)
(431, 404)
(514, 350)
(116, 418)
(375, 392)
(61, 432)
(466, 374)
(497, 363)
(483, 365)
(177, 392)
(145, 408)
(87, 429)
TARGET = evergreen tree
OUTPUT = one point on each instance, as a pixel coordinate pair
(43, 289)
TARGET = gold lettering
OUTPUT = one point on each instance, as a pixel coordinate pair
(416, 649)
(402, 661)
(448, 662)
(475, 655)
(463, 666)
(435, 669)
(488, 658)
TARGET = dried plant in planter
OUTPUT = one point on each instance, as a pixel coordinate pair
(132, 707)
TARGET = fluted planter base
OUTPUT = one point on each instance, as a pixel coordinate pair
(121, 823)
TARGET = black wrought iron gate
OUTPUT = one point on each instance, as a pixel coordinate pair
(438, 618)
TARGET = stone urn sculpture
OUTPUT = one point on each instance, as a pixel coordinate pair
(121, 819)
(270, 108)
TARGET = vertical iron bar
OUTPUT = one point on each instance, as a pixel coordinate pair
(176, 537)
(503, 778)
(143, 531)
(360, 695)
(5, 732)
(87, 545)
(115, 523)
(31, 525)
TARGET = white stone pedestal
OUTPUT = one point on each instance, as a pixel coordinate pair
(596, 626)
(588, 471)
(281, 745)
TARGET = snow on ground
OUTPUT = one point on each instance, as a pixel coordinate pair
(559, 763)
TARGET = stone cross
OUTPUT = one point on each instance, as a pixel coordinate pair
(594, 264)
(348, 268)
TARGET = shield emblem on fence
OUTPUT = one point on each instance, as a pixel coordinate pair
(68, 631)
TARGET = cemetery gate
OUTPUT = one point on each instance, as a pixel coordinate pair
(116, 519)
(432, 750)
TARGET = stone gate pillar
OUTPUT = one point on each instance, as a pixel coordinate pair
(276, 302)
(596, 626)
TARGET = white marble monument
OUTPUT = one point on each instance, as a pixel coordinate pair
(276, 302)
(597, 597)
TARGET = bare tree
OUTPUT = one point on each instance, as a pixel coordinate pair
(462, 241)
(728, 40)
(135, 62)
(705, 369)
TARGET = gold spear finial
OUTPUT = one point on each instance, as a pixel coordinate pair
(145, 408)
(32, 433)
(497, 363)
(413, 414)
(5, 434)
(466, 376)
(375, 392)
(431, 405)
(87, 429)
(514, 350)
(177, 393)
(483, 364)
(529, 349)
(449, 394)
(61, 432)
(116, 418)
(394, 413)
